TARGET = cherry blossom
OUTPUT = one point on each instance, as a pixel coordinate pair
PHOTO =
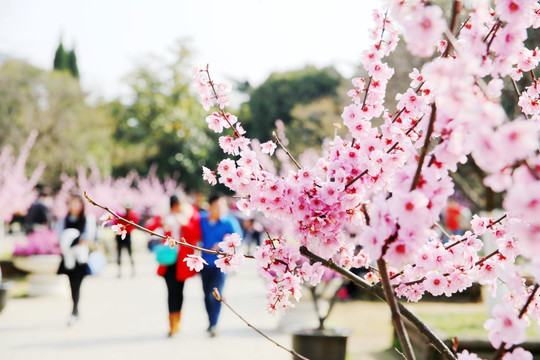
(195, 262)
(119, 229)
(268, 147)
(16, 189)
(389, 179)
(209, 176)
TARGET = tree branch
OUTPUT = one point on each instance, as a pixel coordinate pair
(285, 149)
(153, 233)
(219, 298)
(433, 339)
(399, 327)
(425, 147)
(501, 350)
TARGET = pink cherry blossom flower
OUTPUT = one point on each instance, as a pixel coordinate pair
(209, 176)
(515, 11)
(421, 22)
(228, 144)
(216, 122)
(119, 229)
(435, 283)
(230, 263)
(518, 354)
(466, 355)
(195, 262)
(105, 219)
(230, 243)
(505, 327)
(268, 147)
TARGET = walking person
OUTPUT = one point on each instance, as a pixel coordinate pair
(182, 222)
(215, 224)
(76, 231)
(130, 215)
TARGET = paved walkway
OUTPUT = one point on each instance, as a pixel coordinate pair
(126, 318)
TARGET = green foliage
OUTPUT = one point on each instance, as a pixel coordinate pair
(163, 124)
(468, 324)
(66, 61)
(71, 132)
(60, 58)
(72, 64)
(281, 92)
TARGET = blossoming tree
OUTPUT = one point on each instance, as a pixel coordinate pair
(390, 183)
(16, 189)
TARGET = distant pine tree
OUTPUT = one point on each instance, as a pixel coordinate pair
(72, 64)
(60, 58)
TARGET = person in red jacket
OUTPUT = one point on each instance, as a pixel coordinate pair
(130, 215)
(183, 221)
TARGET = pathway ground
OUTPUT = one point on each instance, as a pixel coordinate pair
(126, 318)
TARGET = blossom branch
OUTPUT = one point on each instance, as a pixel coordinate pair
(495, 28)
(286, 151)
(457, 242)
(221, 112)
(456, 9)
(153, 233)
(502, 349)
(437, 343)
(399, 327)
(425, 147)
(356, 178)
(220, 298)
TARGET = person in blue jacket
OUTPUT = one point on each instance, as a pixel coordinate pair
(215, 224)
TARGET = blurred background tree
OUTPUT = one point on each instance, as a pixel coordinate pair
(65, 61)
(71, 132)
(278, 95)
(163, 124)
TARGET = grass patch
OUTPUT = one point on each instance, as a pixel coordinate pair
(466, 325)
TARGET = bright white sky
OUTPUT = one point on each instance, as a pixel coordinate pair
(240, 39)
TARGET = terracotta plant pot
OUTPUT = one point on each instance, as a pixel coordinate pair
(3, 296)
(42, 276)
(329, 344)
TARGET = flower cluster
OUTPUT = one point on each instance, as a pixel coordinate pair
(280, 264)
(41, 242)
(195, 262)
(16, 189)
(231, 257)
(389, 184)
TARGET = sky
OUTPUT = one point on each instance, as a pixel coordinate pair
(240, 39)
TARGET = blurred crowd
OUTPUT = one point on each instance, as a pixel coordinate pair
(85, 247)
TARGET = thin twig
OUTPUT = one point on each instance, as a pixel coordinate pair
(285, 149)
(457, 242)
(516, 90)
(433, 339)
(153, 233)
(497, 27)
(502, 349)
(425, 147)
(443, 230)
(221, 112)
(220, 298)
(456, 9)
(356, 178)
(399, 327)
(366, 94)
(462, 26)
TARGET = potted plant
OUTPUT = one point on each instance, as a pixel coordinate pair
(322, 342)
(40, 257)
(3, 293)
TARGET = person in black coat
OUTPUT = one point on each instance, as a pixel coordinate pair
(75, 230)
